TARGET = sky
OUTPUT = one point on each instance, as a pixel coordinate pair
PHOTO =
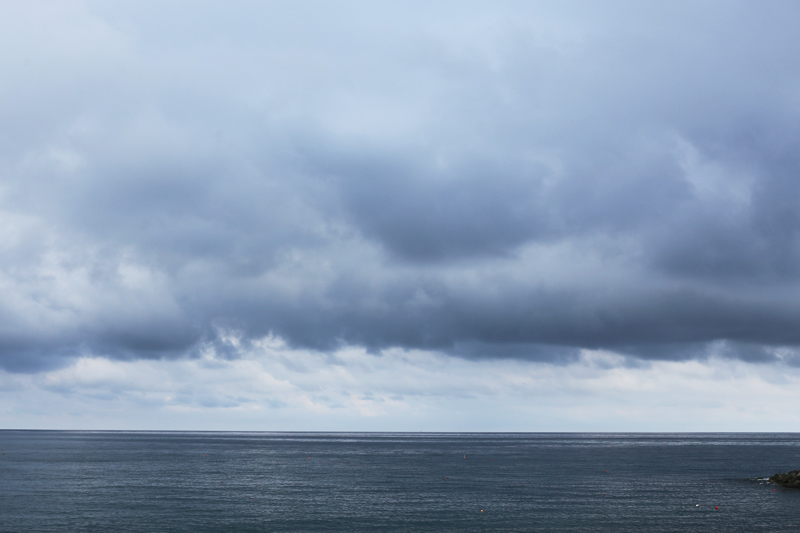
(400, 216)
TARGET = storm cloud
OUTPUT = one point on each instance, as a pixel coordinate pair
(520, 180)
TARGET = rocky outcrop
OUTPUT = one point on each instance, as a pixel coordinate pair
(789, 479)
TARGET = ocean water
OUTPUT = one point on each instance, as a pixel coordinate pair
(344, 482)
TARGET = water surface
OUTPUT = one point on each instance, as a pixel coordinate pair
(185, 481)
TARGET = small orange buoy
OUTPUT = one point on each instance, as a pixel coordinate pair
(481, 510)
(716, 507)
(448, 477)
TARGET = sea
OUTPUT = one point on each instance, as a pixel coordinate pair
(80, 481)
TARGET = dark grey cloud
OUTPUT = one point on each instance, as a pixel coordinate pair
(420, 213)
(515, 180)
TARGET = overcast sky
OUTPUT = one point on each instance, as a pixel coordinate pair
(522, 216)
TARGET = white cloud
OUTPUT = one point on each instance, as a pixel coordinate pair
(272, 387)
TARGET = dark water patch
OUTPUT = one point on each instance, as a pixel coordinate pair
(162, 481)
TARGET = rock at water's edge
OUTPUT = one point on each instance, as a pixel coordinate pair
(789, 479)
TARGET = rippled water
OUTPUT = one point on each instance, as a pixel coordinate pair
(146, 481)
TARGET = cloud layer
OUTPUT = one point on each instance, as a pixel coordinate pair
(516, 181)
(272, 387)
